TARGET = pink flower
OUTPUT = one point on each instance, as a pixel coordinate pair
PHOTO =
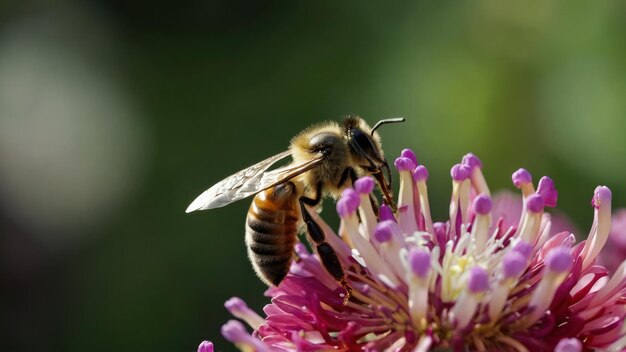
(469, 283)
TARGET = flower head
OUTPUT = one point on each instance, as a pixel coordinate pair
(470, 283)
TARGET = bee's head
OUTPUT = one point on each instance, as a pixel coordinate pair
(364, 141)
(365, 146)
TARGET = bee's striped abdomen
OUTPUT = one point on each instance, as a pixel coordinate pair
(271, 229)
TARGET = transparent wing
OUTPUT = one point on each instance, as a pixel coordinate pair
(249, 181)
(236, 186)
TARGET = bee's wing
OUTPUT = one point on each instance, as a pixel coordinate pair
(248, 182)
(237, 186)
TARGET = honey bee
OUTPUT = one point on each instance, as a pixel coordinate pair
(327, 158)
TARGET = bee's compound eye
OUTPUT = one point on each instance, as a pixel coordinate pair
(322, 142)
(360, 138)
(364, 146)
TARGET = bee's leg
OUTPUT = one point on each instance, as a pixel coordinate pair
(348, 174)
(384, 186)
(386, 191)
(326, 252)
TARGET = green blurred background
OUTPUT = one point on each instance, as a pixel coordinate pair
(115, 114)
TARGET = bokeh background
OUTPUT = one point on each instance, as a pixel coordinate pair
(115, 114)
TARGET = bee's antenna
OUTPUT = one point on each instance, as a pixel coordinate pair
(385, 121)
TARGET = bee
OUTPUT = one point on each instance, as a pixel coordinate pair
(327, 158)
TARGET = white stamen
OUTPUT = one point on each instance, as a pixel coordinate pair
(598, 235)
(480, 232)
(418, 298)
(544, 230)
(497, 300)
(420, 238)
(367, 251)
(464, 309)
(435, 267)
(446, 273)
(543, 295)
(462, 244)
(406, 210)
(425, 206)
(464, 196)
(454, 207)
(357, 256)
(390, 252)
(368, 218)
(479, 182)
(530, 227)
(527, 190)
